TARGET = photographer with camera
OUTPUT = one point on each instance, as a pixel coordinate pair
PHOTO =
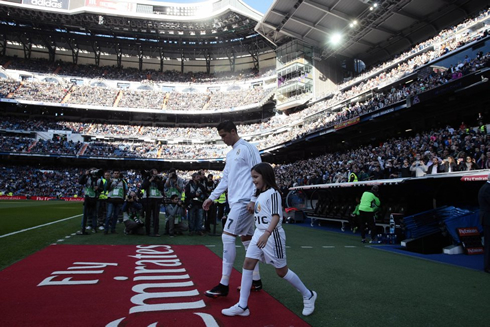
(195, 194)
(89, 181)
(174, 212)
(101, 211)
(173, 184)
(118, 188)
(132, 210)
(152, 198)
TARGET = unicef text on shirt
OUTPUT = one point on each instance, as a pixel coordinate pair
(48, 3)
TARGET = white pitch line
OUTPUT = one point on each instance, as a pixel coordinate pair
(328, 246)
(35, 227)
(350, 246)
(306, 247)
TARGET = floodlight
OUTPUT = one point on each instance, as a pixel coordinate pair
(335, 38)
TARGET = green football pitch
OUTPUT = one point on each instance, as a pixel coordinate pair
(357, 284)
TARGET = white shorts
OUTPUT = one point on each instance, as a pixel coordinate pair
(239, 221)
(274, 252)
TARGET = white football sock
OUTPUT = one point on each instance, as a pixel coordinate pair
(245, 287)
(229, 254)
(256, 274)
(294, 280)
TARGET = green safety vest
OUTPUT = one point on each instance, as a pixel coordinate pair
(103, 194)
(353, 179)
(155, 193)
(90, 192)
(118, 191)
(221, 199)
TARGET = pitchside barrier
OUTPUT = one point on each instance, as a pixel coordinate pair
(41, 198)
(400, 197)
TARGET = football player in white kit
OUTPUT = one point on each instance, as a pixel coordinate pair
(237, 180)
(268, 242)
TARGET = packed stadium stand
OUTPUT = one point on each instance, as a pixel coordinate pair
(80, 86)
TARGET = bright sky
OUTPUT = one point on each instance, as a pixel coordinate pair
(260, 5)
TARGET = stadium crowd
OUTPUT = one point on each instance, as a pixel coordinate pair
(385, 74)
(449, 149)
(369, 162)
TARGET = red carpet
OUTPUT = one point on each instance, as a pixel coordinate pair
(155, 285)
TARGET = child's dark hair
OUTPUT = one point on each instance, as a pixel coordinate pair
(268, 176)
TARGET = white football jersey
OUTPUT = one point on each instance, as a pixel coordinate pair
(268, 204)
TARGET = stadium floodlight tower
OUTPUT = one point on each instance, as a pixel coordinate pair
(210, 36)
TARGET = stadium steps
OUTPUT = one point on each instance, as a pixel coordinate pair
(82, 149)
(11, 94)
(7, 64)
(68, 94)
(33, 144)
(57, 70)
(165, 100)
(118, 98)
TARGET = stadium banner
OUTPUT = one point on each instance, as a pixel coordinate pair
(13, 197)
(121, 6)
(41, 198)
(347, 123)
(50, 4)
(128, 285)
(475, 178)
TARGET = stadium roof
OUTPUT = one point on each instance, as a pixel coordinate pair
(384, 28)
(214, 28)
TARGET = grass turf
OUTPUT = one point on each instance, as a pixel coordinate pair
(357, 285)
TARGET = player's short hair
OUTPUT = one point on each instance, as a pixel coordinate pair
(227, 126)
(268, 176)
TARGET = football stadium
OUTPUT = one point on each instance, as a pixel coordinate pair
(131, 140)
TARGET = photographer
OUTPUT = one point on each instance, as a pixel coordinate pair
(175, 212)
(173, 184)
(132, 214)
(91, 190)
(103, 185)
(152, 198)
(195, 194)
(118, 188)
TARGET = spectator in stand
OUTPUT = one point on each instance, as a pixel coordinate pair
(434, 167)
(449, 165)
(418, 166)
(468, 164)
(486, 163)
